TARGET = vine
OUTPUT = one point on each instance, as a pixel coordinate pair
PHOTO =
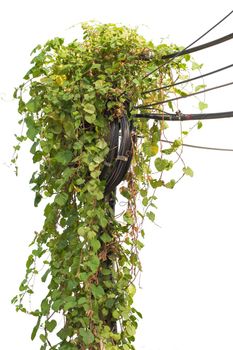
(68, 100)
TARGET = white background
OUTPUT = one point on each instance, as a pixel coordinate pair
(186, 293)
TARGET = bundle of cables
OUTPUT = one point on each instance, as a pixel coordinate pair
(118, 161)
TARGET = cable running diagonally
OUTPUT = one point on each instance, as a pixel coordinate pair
(148, 106)
(202, 147)
(188, 80)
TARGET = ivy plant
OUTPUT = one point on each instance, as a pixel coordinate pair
(88, 256)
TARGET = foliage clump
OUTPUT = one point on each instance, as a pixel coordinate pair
(69, 97)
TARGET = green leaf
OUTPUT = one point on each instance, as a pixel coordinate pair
(72, 284)
(30, 261)
(196, 65)
(101, 144)
(14, 299)
(69, 128)
(63, 157)
(33, 105)
(115, 314)
(170, 184)
(45, 307)
(93, 263)
(39, 252)
(145, 201)
(90, 118)
(35, 329)
(45, 275)
(151, 216)
(202, 105)
(50, 325)
(132, 290)
(87, 335)
(188, 171)
(180, 92)
(163, 164)
(199, 124)
(91, 234)
(95, 174)
(128, 217)
(150, 148)
(99, 84)
(78, 145)
(105, 237)
(95, 243)
(89, 108)
(32, 132)
(125, 192)
(103, 221)
(143, 192)
(137, 312)
(97, 291)
(70, 305)
(37, 156)
(82, 300)
(61, 199)
(125, 347)
(130, 330)
(57, 304)
(65, 332)
(84, 276)
(200, 87)
(67, 173)
(37, 199)
(32, 127)
(43, 338)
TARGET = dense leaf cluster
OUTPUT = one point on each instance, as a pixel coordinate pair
(70, 95)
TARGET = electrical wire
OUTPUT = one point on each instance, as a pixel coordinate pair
(113, 149)
(200, 47)
(180, 97)
(121, 163)
(202, 147)
(188, 80)
(120, 155)
(187, 47)
(184, 117)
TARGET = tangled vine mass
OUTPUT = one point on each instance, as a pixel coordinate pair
(86, 254)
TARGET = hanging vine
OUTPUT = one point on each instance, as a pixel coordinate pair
(68, 100)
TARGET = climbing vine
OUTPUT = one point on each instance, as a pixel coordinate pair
(88, 253)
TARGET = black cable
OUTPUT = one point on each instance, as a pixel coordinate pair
(122, 160)
(121, 151)
(184, 117)
(113, 149)
(202, 147)
(180, 97)
(187, 47)
(200, 47)
(187, 80)
(134, 140)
